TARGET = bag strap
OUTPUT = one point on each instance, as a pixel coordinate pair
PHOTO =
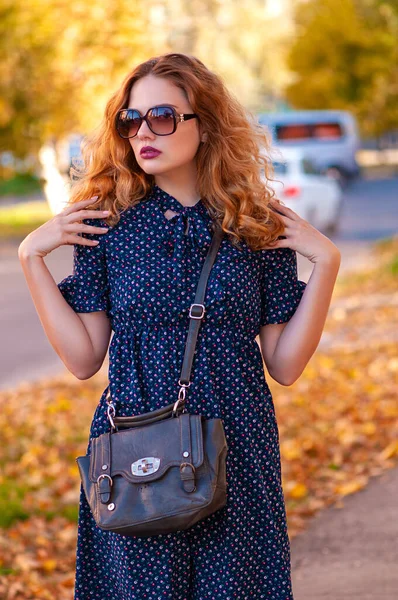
(198, 309)
(196, 314)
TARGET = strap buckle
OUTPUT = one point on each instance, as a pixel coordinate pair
(193, 306)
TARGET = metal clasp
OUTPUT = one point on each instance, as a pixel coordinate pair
(104, 476)
(145, 466)
(111, 413)
(194, 306)
(111, 410)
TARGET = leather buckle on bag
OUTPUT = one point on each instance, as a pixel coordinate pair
(203, 310)
(105, 483)
(145, 466)
(187, 473)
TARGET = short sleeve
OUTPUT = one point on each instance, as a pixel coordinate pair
(281, 291)
(86, 290)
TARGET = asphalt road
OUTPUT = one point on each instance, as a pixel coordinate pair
(370, 212)
(351, 552)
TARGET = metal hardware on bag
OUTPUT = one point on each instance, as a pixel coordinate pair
(185, 454)
(111, 506)
(102, 476)
(184, 384)
(104, 467)
(193, 306)
(111, 410)
(175, 407)
(145, 466)
(187, 464)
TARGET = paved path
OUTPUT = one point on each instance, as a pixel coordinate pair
(351, 552)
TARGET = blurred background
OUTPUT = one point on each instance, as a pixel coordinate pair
(322, 77)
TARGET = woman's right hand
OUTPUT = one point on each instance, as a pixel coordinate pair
(62, 230)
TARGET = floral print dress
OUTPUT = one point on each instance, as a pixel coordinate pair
(144, 274)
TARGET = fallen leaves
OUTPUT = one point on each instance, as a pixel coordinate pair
(338, 427)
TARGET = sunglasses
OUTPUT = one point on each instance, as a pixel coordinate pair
(161, 120)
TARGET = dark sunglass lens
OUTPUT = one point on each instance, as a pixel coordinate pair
(128, 123)
(161, 119)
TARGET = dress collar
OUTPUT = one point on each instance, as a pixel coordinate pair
(166, 201)
(191, 226)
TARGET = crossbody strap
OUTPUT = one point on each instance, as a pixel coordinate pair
(198, 309)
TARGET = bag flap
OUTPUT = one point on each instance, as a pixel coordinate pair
(162, 443)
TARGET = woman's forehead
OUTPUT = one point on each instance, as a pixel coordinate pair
(152, 91)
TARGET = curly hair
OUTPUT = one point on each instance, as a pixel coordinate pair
(229, 165)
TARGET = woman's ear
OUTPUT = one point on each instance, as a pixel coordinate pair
(203, 137)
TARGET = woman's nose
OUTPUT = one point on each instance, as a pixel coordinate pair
(144, 130)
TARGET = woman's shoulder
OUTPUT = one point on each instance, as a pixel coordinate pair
(135, 216)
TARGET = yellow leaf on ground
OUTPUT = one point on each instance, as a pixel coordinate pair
(296, 490)
(350, 487)
(49, 565)
(290, 449)
(390, 450)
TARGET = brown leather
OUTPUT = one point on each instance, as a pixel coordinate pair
(146, 418)
(161, 471)
(169, 499)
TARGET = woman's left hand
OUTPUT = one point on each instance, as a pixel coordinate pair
(303, 237)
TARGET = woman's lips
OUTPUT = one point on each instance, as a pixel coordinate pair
(150, 153)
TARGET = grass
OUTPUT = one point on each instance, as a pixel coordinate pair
(20, 185)
(17, 221)
(378, 279)
(11, 502)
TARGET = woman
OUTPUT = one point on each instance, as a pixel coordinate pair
(163, 178)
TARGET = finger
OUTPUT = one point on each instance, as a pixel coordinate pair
(275, 201)
(284, 243)
(277, 207)
(81, 204)
(287, 211)
(77, 239)
(87, 214)
(82, 228)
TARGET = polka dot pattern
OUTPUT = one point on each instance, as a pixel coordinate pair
(144, 273)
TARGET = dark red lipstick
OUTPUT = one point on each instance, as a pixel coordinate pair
(149, 152)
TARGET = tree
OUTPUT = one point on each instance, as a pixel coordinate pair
(345, 56)
(59, 61)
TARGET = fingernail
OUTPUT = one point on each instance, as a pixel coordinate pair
(94, 197)
(106, 212)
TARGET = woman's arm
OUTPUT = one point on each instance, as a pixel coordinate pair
(80, 340)
(300, 336)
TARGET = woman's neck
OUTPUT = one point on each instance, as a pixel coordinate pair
(181, 188)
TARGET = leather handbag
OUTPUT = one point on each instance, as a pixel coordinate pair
(164, 470)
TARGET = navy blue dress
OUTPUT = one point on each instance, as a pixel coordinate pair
(144, 274)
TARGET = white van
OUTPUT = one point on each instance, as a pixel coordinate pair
(329, 138)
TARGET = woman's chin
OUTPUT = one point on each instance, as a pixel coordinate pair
(151, 168)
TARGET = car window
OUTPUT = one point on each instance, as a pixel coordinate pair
(280, 168)
(307, 131)
(309, 168)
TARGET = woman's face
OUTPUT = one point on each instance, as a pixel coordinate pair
(178, 149)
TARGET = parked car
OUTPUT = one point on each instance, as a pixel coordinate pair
(329, 137)
(302, 187)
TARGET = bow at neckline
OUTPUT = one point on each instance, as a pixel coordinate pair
(191, 226)
(186, 239)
